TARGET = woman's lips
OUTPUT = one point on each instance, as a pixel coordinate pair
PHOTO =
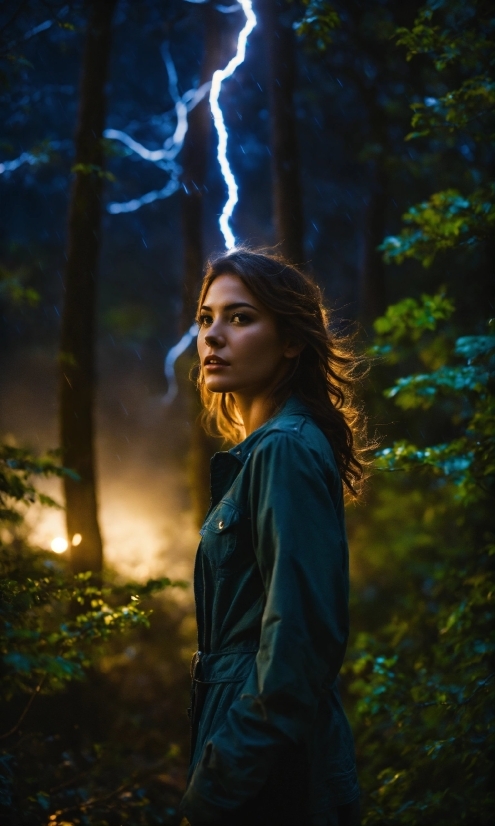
(214, 363)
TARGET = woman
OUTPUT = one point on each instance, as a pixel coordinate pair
(270, 740)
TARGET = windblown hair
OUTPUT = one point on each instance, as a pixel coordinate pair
(323, 375)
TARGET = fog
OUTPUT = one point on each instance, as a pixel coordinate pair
(144, 506)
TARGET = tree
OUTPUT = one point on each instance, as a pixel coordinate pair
(355, 46)
(44, 651)
(279, 36)
(218, 44)
(77, 348)
(423, 677)
(426, 675)
(420, 673)
(217, 28)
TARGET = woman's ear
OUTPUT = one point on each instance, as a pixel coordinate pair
(293, 349)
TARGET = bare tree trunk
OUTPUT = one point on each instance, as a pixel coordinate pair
(372, 292)
(77, 356)
(279, 35)
(218, 29)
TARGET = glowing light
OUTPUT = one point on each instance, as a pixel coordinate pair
(76, 539)
(135, 203)
(37, 29)
(170, 359)
(216, 85)
(59, 545)
(153, 155)
(26, 157)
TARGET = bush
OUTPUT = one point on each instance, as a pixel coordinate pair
(59, 762)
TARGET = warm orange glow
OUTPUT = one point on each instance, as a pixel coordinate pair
(146, 535)
(77, 539)
(59, 545)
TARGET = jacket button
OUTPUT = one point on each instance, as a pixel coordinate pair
(221, 524)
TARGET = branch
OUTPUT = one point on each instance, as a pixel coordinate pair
(95, 801)
(26, 709)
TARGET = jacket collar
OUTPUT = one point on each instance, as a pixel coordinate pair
(226, 465)
(291, 407)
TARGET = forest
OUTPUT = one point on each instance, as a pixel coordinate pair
(360, 138)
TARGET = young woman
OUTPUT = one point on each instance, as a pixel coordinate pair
(270, 740)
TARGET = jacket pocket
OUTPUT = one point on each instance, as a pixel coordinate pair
(219, 533)
(219, 683)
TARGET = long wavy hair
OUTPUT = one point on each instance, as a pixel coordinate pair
(323, 376)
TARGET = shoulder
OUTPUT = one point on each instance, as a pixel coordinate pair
(297, 437)
(295, 456)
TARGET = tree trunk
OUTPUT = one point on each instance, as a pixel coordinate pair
(372, 292)
(77, 356)
(217, 51)
(218, 48)
(281, 75)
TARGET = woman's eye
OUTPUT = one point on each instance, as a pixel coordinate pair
(240, 318)
(204, 320)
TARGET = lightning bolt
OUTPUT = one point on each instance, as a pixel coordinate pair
(170, 359)
(33, 158)
(216, 86)
(232, 189)
(25, 157)
(164, 158)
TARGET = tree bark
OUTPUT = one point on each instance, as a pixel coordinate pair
(372, 292)
(77, 356)
(217, 51)
(281, 76)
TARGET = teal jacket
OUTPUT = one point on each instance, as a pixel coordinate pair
(270, 740)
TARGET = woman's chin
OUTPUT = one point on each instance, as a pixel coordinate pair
(216, 385)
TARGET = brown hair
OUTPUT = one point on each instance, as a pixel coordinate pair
(323, 374)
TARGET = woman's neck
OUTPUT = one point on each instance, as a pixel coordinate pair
(255, 411)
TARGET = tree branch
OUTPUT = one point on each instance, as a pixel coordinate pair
(26, 709)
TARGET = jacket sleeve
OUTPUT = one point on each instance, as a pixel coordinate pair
(301, 550)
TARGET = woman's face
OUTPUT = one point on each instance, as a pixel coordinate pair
(239, 344)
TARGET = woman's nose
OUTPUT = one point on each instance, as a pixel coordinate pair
(214, 336)
(213, 339)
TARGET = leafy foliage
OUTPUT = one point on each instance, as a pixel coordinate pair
(462, 45)
(421, 673)
(466, 39)
(17, 467)
(465, 43)
(425, 678)
(12, 287)
(455, 111)
(40, 642)
(407, 321)
(447, 220)
(318, 24)
(55, 627)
